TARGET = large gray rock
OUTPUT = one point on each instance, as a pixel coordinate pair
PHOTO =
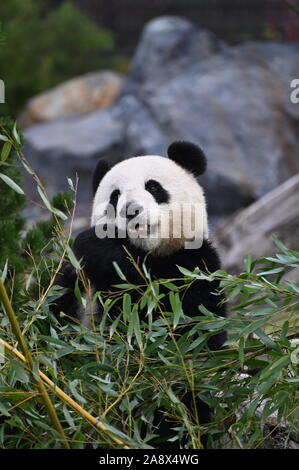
(168, 45)
(234, 105)
(233, 101)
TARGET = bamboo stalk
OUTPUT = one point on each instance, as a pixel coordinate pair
(66, 398)
(29, 361)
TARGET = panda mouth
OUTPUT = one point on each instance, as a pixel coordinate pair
(140, 228)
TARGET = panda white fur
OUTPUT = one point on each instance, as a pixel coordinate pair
(142, 192)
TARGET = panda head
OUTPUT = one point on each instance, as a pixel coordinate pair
(153, 201)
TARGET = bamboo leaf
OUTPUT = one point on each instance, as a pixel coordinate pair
(248, 263)
(172, 396)
(5, 151)
(15, 134)
(4, 271)
(127, 306)
(3, 410)
(136, 327)
(75, 393)
(241, 351)
(198, 342)
(270, 271)
(119, 271)
(72, 257)
(266, 339)
(275, 367)
(176, 308)
(49, 205)
(11, 183)
(44, 198)
(255, 325)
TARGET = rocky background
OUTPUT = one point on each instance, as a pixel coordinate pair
(234, 101)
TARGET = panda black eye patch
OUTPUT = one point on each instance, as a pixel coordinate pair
(114, 198)
(157, 191)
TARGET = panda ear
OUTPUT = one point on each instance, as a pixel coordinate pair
(100, 170)
(188, 156)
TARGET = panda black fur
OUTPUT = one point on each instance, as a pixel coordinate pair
(141, 181)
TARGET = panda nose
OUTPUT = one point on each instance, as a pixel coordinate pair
(131, 210)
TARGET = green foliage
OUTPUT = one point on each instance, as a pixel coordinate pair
(43, 49)
(11, 204)
(63, 201)
(24, 255)
(124, 369)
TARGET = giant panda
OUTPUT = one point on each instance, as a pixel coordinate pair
(138, 208)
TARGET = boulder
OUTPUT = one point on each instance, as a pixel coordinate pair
(235, 108)
(95, 90)
(167, 45)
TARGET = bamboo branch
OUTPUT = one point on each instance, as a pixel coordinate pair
(29, 361)
(66, 398)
